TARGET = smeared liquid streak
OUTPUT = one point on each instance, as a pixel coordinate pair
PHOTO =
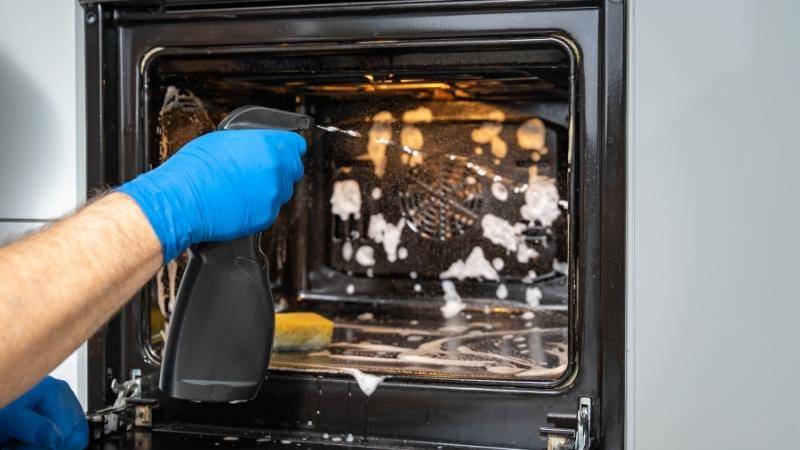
(172, 275)
(468, 351)
(346, 199)
(160, 296)
(369, 346)
(453, 302)
(376, 150)
(386, 330)
(450, 351)
(190, 108)
(475, 266)
(368, 383)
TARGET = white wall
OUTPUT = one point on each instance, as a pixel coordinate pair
(714, 223)
(42, 154)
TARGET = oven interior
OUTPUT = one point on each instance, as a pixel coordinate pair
(433, 224)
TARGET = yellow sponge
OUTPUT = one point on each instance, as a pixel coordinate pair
(301, 331)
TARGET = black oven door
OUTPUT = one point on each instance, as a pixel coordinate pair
(581, 406)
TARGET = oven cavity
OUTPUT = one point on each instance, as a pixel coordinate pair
(432, 225)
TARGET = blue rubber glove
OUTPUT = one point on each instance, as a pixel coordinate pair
(220, 186)
(47, 416)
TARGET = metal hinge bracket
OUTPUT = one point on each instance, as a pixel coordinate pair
(570, 431)
(128, 411)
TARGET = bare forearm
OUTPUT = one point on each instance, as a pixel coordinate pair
(62, 284)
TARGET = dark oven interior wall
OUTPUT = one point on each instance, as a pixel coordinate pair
(116, 351)
(536, 82)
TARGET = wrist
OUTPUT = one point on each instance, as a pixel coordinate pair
(162, 211)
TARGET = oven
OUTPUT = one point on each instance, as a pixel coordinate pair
(461, 219)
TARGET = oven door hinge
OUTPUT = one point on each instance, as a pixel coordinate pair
(570, 431)
(128, 411)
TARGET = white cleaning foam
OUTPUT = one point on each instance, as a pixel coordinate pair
(411, 137)
(502, 292)
(386, 233)
(499, 147)
(541, 201)
(475, 266)
(346, 199)
(347, 251)
(421, 114)
(500, 232)
(525, 253)
(486, 132)
(498, 264)
(500, 191)
(533, 295)
(376, 193)
(365, 256)
(530, 277)
(368, 383)
(453, 302)
(561, 266)
(531, 134)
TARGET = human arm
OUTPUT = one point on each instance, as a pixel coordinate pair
(63, 283)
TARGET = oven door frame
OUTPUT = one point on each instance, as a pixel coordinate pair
(119, 40)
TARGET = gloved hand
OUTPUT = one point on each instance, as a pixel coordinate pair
(220, 186)
(47, 416)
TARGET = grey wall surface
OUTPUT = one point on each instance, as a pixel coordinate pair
(42, 151)
(714, 222)
(39, 164)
